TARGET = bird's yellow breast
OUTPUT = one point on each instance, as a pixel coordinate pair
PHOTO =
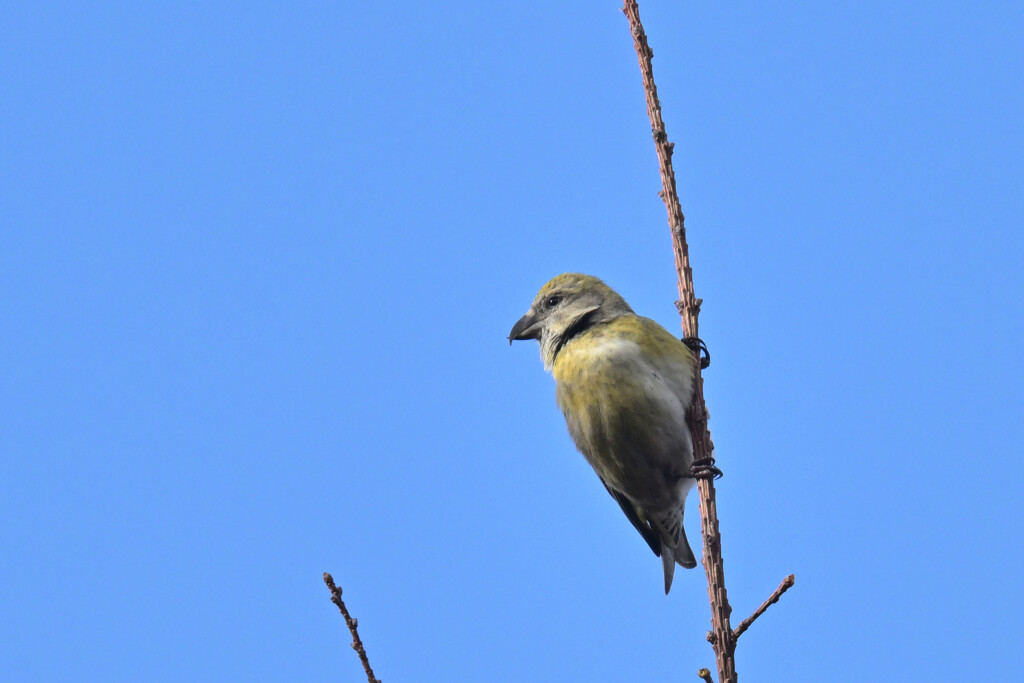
(623, 387)
(608, 349)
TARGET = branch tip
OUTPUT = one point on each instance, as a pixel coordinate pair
(786, 584)
(353, 624)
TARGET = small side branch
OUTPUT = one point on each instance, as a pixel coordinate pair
(706, 675)
(786, 584)
(352, 624)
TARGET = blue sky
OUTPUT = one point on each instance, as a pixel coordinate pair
(257, 265)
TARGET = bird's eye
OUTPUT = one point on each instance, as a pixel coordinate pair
(553, 301)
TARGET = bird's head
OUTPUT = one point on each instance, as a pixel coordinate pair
(564, 307)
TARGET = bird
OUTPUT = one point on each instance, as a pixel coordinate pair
(624, 384)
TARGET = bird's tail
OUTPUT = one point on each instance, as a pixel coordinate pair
(675, 549)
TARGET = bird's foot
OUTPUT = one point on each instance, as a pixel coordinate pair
(705, 469)
(697, 345)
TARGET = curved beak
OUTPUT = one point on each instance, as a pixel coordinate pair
(528, 327)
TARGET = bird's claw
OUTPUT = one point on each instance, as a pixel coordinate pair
(705, 469)
(697, 345)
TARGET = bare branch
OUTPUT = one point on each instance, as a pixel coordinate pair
(352, 624)
(706, 675)
(721, 637)
(786, 584)
(689, 308)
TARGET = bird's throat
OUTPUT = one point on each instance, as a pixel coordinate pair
(578, 326)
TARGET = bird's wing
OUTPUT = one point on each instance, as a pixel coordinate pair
(675, 360)
(649, 534)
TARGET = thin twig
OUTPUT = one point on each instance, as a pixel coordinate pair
(689, 308)
(352, 624)
(706, 675)
(721, 637)
(786, 584)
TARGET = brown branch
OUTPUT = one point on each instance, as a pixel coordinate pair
(786, 584)
(721, 637)
(353, 624)
(706, 675)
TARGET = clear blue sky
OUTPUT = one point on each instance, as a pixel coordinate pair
(257, 265)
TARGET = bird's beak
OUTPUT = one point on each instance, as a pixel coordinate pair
(528, 327)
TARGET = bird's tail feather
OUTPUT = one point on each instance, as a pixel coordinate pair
(668, 563)
(675, 549)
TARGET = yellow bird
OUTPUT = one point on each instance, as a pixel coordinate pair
(624, 384)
